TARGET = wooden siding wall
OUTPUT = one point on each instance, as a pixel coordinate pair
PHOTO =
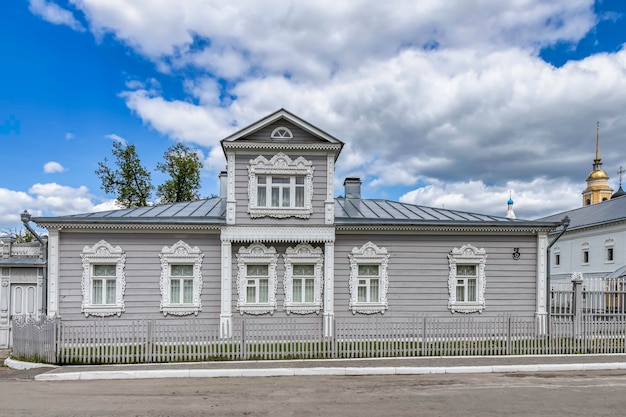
(142, 297)
(299, 134)
(241, 191)
(418, 273)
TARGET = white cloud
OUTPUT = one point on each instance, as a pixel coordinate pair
(69, 136)
(117, 138)
(50, 199)
(53, 13)
(52, 167)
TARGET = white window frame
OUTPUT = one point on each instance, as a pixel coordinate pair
(609, 247)
(585, 248)
(303, 254)
(280, 165)
(180, 253)
(369, 254)
(256, 254)
(102, 253)
(281, 132)
(557, 256)
(467, 255)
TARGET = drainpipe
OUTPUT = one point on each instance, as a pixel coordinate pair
(564, 225)
(25, 217)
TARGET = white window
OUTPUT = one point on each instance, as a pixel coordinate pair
(466, 279)
(303, 279)
(280, 192)
(368, 279)
(585, 253)
(280, 187)
(609, 250)
(181, 279)
(281, 133)
(256, 279)
(103, 282)
(557, 256)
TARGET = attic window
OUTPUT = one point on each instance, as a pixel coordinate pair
(281, 133)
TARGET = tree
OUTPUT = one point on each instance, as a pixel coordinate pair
(183, 166)
(130, 181)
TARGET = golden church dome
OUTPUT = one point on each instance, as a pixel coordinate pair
(597, 174)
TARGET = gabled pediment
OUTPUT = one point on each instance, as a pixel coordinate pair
(281, 127)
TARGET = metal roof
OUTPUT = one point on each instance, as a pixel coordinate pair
(348, 211)
(610, 211)
(207, 211)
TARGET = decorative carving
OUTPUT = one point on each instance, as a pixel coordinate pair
(467, 255)
(280, 164)
(180, 253)
(303, 254)
(281, 133)
(257, 253)
(103, 253)
(278, 234)
(368, 254)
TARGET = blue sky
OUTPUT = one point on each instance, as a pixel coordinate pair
(450, 105)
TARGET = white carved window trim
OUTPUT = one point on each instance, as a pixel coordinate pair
(180, 253)
(281, 132)
(256, 254)
(467, 255)
(368, 254)
(280, 165)
(609, 251)
(103, 253)
(303, 254)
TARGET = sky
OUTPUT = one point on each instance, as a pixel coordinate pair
(457, 104)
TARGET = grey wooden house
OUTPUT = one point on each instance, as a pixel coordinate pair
(277, 242)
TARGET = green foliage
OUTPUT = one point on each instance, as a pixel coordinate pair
(183, 166)
(130, 181)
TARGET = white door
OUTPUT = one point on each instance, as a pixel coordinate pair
(23, 299)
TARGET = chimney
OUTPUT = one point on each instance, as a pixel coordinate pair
(353, 187)
(224, 184)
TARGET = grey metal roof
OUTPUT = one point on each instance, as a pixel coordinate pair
(207, 211)
(618, 273)
(348, 211)
(610, 211)
(22, 261)
(351, 211)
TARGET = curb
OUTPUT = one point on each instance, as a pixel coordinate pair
(322, 371)
(15, 364)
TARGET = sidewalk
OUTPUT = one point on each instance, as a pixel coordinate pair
(338, 367)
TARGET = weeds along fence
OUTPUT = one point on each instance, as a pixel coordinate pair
(187, 340)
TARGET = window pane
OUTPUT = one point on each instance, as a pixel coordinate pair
(251, 292)
(309, 291)
(104, 270)
(471, 290)
(261, 180)
(188, 291)
(373, 291)
(96, 297)
(280, 180)
(304, 270)
(263, 291)
(297, 290)
(110, 291)
(368, 270)
(460, 291)
(362, 291)
(175, 291)
(299, 196)
(466, 270)
(261, 196)
(275, 195)
(286, 196)
(258, 270)
(182, 270)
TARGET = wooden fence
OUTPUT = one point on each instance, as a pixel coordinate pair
(187, 340)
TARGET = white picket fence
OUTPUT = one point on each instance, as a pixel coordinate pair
(186, 340)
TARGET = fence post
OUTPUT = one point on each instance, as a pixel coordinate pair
(243, 340)
(508, 336)
(577, 308)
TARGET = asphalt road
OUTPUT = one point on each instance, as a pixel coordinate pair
(554, 394)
